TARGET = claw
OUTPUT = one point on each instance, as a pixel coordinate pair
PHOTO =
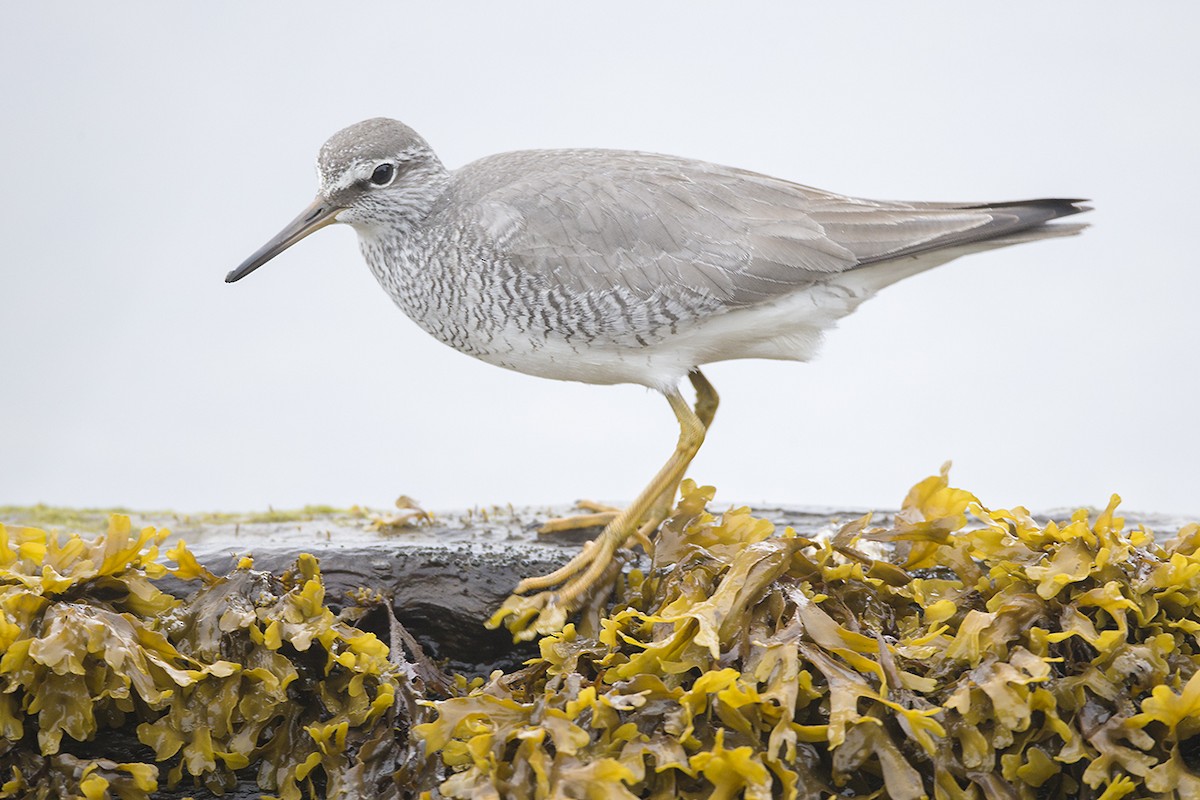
(579, 562)
(528, 617)
(546, 612)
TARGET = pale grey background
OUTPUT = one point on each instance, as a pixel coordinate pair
(148, 148)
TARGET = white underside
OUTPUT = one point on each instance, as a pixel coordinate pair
(789, 328)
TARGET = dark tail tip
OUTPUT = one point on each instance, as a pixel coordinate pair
(1036, 212)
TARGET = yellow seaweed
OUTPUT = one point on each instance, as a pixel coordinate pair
(989, 650)
(90, 642)
(982, 650)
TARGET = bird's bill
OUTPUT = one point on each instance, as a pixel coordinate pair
(313, 218)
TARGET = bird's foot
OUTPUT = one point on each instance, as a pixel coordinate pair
(527, 617)
(597, 515)
(590, 572)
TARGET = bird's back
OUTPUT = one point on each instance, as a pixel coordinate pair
(633, 253)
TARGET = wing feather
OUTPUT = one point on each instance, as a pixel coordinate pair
(649, 225)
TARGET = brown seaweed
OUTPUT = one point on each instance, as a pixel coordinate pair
(957, 652)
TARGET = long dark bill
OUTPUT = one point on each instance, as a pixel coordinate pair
(313, 218)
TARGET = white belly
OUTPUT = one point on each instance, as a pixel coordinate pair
(789, 328)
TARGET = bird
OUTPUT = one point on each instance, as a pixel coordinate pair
(616, 266)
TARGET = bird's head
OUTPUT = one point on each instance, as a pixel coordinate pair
(378, 173)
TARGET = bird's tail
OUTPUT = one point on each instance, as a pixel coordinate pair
(1008, 223)
(1011, 223)
(1027, 221)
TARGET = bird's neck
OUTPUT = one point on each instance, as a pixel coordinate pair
(393, 240)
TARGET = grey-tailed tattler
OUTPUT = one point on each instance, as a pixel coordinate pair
(609, 266)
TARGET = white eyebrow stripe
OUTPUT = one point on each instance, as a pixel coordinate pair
(345, 180)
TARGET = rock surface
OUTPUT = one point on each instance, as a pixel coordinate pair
(445, 575)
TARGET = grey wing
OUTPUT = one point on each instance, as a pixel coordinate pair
(648, 225)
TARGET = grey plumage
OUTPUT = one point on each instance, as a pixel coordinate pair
(612, 266)
(594, 220)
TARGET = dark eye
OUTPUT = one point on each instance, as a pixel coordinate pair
(383, 174)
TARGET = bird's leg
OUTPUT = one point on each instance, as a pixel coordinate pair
(705, 409)
(706, 398)
(691, 435)
(599, 515)
(548, 610)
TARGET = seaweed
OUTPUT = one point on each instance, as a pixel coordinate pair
(954, 652)
(251, 671)
(1001, 658)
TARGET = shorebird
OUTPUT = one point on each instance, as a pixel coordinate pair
(608, 266)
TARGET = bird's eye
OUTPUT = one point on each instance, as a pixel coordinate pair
(383, 174)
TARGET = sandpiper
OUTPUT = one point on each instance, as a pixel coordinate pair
(608, 266)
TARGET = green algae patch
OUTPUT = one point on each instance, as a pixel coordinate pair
(95, 520)
(91, 520)
(304, 514)
(251, 672)
(959, 652)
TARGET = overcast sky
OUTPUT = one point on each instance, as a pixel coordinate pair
(149, 147)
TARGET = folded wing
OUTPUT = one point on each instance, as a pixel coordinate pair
(596, 220)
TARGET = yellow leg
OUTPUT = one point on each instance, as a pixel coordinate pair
(705, 409)
(600, 515)
(546, 612)
(706, 398)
